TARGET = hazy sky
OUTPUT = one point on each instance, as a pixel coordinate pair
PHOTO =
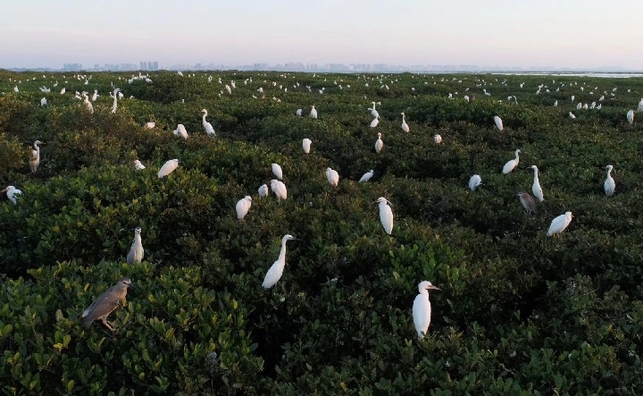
(558, 33)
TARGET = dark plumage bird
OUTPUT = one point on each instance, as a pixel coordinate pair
(106, 303)
(527, 202)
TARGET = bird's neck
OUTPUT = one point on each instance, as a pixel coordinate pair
(282, 253)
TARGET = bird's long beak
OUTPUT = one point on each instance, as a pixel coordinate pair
(433, 288)
(5, 190)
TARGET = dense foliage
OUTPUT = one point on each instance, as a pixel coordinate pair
(519, 312)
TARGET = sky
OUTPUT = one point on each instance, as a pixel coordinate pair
(577, 34)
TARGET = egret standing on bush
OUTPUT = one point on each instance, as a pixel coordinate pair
(243, 206)
(386, 215)
(474, 182)
(263, 191)
(609, 184)
(115, 105)
(136, 252)
(206, 125)
(405, 126)
(34, 161)
(138, 165)
(379, 144)
(12, 194)
(276, 170)
(279, 188)
(422, 308)
(535, 187)
(305, 144)
(366, 176)
(559, 224)
(167, 168)
(180, 130)
(106, 303)
(498, 121)
(630, 117)
(277, 269)
(332, 176)
(511, 165)
(313, 112)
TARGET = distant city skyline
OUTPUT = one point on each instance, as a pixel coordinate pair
(489, 34)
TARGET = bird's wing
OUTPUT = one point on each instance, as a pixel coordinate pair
(102, 306)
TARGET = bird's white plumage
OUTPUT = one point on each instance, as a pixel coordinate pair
(243, 206)
(375, 122)
(169, 167)
(34, 161)
(630, 117)
(422, 308)
(609, 185)
(386, 215)
(332, 176)
(498, 121)
(138, 165)
(535, 187)
(181, 131)
(379, 144)
(366, 176)
(559, 224)
(277, 269)
(12, 194)
(263, 190)
(437, 139)
(405, 126)
(313, 112)
(279, 188)
(474, 182)
(206, 125)
(305, 144)
(511, 165)
(276, 170)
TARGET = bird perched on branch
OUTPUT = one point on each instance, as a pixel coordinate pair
(105, 304)
(34, 161)
(422, 308)
(136, 252)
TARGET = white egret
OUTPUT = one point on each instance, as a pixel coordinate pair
(279, 188)
(136, 252)
(374, 112)
(511, 165)
(375, 122)
(498, 121)
(366, 176)
(379, 144)
(138, 165)
(474, 182)
(313, 112)
(34, 161)
(630, 117)
(527, 202)
(573, 97)
(43, 102)
(386, 215)
(422, 308)
(62, 91)
(405, 126)
(150, 125)
(206, 125)
(305, 144)
(12, 193)
(180, 130)
(243, 206)
(559, 224)
(572, 116)
(298, 112)
(556, 103)
(263, 191)
(437, 139)
(535, 187)
(168, 168)
(95, 95)
(277, 269)
(115, 94)
(332, 176)
(609, 184)
(640, 108)
(276, 170)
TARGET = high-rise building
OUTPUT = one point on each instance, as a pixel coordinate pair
(152, 65)
(143, 66)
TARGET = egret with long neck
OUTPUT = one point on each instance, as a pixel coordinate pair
(277, 269)
(34, 161)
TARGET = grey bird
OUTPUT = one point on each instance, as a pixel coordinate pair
(527, 202)
(136, 252)
(106, 303)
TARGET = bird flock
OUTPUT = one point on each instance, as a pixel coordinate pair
(108, 301)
